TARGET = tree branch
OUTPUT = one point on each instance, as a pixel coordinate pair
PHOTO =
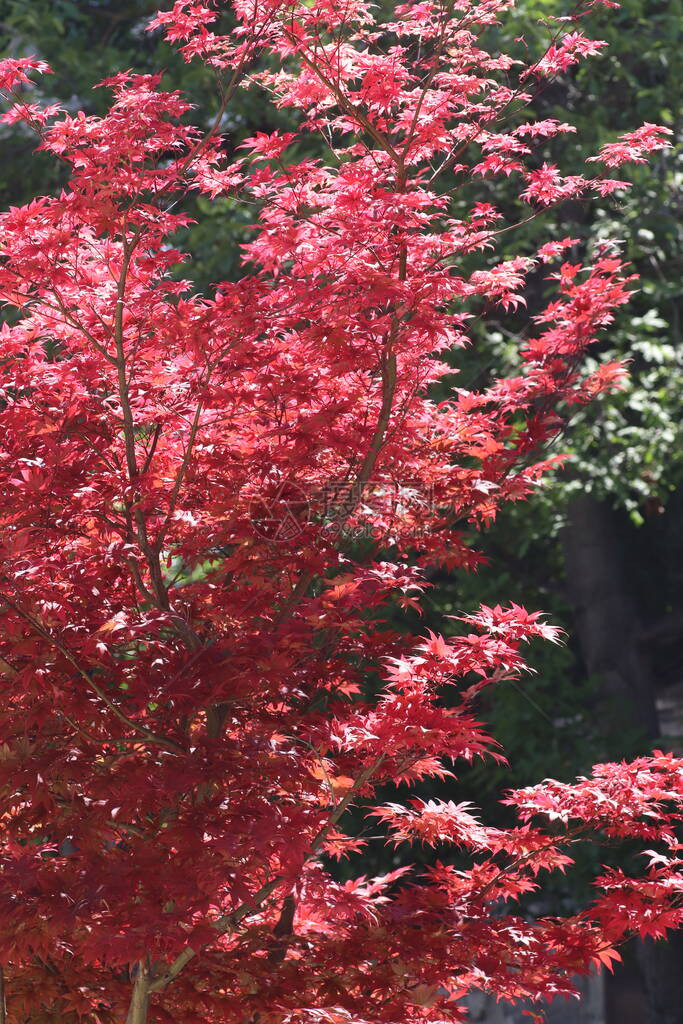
(139, 1003)
(169, 744)
(227, 922)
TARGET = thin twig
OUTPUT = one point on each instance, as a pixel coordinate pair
(73, 660)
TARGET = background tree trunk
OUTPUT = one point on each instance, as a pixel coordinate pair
(661, 964)
(607, 622)
(601, 587)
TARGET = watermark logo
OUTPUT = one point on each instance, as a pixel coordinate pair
(280, 514)
(284, 511)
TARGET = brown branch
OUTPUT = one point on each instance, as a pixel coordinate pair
(165, 979)
(180, 476)
(389, 380)
(163, 741)
(227, 922)
(429, 78)
(3, 998)
(367, 466)
(151, 553)
(222, 925)
(451, 160)
(99, 742)
(388, 392)
(345, 802)
(350, 108)
(139, 1003)
(87, 735)
(153, 447)
(283, 930)
(8, 670)
(40, 300)
(523, 858)
(124, 397)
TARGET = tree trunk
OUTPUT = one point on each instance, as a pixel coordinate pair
(662, 967)
(139, 1003)
(597, 555)
(606, 617)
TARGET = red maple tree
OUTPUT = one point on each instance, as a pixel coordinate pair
(207, 501)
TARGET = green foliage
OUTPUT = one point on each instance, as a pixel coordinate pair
(628, 448)
(88, 41)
